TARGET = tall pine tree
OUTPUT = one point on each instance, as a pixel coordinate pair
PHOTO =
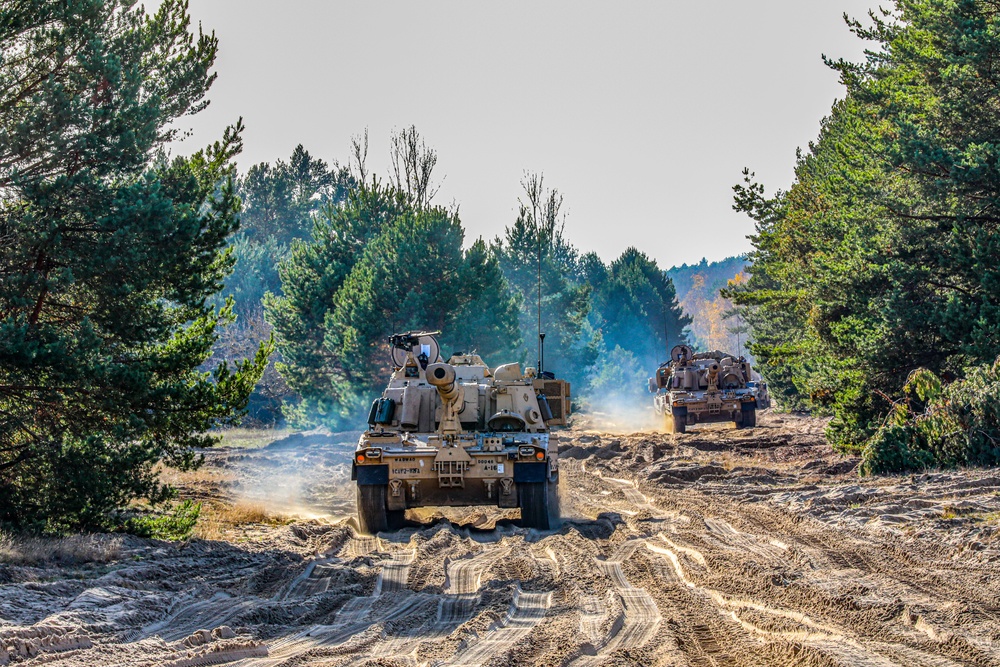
(108, 256)
(882, 257)
(379, 264)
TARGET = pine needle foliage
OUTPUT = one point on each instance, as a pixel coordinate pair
(882, 257)
(940, 425)
(108, 253)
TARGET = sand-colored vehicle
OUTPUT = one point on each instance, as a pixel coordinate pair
(458, 434)
(708, 387)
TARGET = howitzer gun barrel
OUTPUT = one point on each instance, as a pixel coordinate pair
(442, 377)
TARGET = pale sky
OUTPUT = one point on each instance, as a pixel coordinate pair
(643, 114)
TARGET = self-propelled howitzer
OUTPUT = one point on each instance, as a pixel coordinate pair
(458, 434)
(708, 387)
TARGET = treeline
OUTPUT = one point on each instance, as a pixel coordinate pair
(334, 259)
(879, 268)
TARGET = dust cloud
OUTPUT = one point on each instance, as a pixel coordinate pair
(619, 412)
(303, 475)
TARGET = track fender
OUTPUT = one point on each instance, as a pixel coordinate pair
(531, 472)
(370, 475)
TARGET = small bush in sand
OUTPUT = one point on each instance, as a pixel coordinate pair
(70, 550)
(175, 525)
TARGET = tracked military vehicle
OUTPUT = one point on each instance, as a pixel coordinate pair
(709, 387)
(458, 434)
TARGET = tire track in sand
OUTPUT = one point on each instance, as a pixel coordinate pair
(834, 643)
(640, 619)
(455, 605)
(526, 611)
(700, 635)
(355, 616)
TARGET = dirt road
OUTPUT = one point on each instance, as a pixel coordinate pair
(717, 547)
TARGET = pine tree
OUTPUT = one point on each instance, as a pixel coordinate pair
(108, 253)
(641, 313)
(280, 201)
(379, 264)
(881, 258)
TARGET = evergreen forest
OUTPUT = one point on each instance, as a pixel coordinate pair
(148, 299)
(874, 294)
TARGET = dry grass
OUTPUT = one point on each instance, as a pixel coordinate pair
(251, 438)
(71, 550)
(205, 475)
(245, 511)
(217, 520)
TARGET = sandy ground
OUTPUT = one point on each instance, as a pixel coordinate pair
(717, 547)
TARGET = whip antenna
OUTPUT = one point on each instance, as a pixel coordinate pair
(541, 336)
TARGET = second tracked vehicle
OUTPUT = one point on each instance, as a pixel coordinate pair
(708, 387)
(458, 433)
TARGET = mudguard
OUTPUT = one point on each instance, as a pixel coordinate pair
(531, 472)
(370, 475)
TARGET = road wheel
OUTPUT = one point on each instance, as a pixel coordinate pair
(749, 417)
(373, 517)
(680, 421)
(534, 500)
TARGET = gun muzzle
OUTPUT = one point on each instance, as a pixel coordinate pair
(442, 377)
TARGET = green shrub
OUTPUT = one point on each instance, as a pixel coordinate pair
(177, 525)
(940, 425)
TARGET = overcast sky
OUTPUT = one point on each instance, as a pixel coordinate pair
(642, 114)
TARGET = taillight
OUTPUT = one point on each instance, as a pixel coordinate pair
(529, 452)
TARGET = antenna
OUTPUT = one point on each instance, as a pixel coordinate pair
(739, 331)
(541, 336)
